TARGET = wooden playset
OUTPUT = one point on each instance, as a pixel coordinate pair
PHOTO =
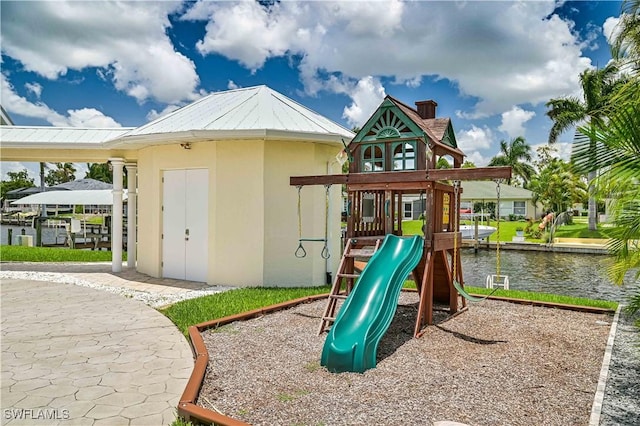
(395, 155)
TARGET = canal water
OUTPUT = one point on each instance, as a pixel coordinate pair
(571, 274)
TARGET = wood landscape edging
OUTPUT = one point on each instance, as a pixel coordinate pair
(187, 407)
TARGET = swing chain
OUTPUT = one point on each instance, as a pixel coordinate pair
(300, 251)
(423, 214)
(325, 250)
(456, 190)
(498, 227)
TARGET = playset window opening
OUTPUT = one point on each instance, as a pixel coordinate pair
(404, 156)
(373, 158)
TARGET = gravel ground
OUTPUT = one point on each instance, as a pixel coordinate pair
(496, 364)
(622, 394)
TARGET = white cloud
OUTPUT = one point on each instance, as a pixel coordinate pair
(85, 117)
(231, 85)
(610, 28)
(247, 32)
(513, 121)
(153, 114)
(476, 138)
(34, 88)
(503, 53)
(16, 104)
(366, 96)
(473, 141)
(126, 41)
(14, 166)
(90, 117)
(560, 150)
(477, 159)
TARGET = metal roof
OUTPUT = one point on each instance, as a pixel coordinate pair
(82, 184)
(30, 190)
(486, 190)
(60, 137)
(100, 197)
(249, 113)
(242, 110)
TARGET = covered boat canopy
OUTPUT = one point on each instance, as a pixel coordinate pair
(100, 197)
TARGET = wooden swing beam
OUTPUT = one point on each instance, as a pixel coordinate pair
(410, 177)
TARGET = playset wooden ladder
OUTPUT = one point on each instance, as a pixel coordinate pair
(360, 248)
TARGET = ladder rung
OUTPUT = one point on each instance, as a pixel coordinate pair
(338, 296)
(348, 275)
(328, 318)
(359, 254)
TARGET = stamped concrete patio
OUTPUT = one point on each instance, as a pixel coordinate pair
(78, 355)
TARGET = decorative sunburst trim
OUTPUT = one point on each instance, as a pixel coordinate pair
(388, 126)
(388, 132)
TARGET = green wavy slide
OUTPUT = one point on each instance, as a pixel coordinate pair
(365, 316)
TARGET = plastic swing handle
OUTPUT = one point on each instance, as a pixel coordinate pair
(300, 251)
(325, 252)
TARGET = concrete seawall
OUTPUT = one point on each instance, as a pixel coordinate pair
(560, 245)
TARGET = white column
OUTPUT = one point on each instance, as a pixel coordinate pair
(116, 215)
(132, 217)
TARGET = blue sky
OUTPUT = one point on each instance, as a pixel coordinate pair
(491, 66)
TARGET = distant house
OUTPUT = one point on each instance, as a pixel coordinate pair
(213, 199)
(85, 184)
(514, 201)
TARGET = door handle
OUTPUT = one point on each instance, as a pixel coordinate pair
(186, 234)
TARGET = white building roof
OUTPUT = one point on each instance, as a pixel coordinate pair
(60, 137)
(254, 112)
(250, 113)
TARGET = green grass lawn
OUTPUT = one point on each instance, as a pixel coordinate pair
(579, 229)
(219, 305)
(53, 254)
(216, 306)
(545, 297)
(92, 219)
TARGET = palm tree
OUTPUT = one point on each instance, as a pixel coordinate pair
(626, 45)
(64, 172)
(43, 166)
(557, 187)
(597, 87)
(615, 148)
(99, 171)
(517, 155)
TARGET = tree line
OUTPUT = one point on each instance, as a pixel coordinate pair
(52, 174)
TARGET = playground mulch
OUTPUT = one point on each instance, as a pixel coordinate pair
(496, 364)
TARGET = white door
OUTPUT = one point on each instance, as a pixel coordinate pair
(185, 224)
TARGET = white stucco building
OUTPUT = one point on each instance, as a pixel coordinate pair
(213, 199)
